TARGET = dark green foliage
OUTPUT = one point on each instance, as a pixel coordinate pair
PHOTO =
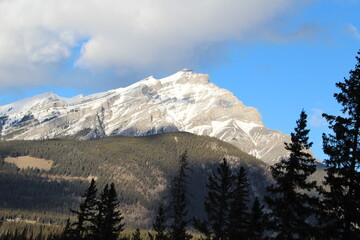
(341, 202)
(98, 218)
(217, 203)
(179, 201)
(238, 215)
(291, 206)
(159, 225)
(226, 205)
(86, 212)
(147, 159)
(27, 190)
(150, 160)
(257, 221)
(108, 222)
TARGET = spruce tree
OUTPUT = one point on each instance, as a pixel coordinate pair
(159, 225)
(108, 223)
(217, 202)
(257, 221)
(86, 213)
(343, 148)
(291, 207)
(179, 201)
(238, 215)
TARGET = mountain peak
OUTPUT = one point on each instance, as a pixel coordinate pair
(43, 96)
(186, 76)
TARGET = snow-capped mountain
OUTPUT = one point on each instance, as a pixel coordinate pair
(184, 101)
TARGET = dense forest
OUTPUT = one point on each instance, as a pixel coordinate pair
(141, 169)
(200, 196)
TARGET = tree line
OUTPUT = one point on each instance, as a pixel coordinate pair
(150, 159)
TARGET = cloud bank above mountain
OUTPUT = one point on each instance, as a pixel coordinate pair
(40, 38)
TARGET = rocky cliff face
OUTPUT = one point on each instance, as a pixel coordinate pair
(185, 101)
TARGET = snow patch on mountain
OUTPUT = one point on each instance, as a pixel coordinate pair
(184, 101)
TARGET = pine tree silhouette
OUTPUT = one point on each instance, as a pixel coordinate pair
(159, 225)
(108, 222)
(179, 201)
(290, 205)
(257, 221)
(238, 215)
(217, 203)
(343, 148)
(86, 213)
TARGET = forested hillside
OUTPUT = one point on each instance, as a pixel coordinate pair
(141, 169)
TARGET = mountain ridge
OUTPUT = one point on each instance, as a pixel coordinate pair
(185, 101)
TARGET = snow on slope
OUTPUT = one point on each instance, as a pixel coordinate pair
(184, 101)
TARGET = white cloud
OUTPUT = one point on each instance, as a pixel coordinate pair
(316, 119)
(129, 36)
(353, 31)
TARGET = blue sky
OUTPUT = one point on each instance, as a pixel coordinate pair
(279, 56)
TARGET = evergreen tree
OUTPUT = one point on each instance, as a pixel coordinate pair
(159, 225)
(257, 221)
(238, 215)
(217, 202)
(136, 235)
(291, 207)
(179, 201)
(342, 201)
(86, 213)
(108, 222)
